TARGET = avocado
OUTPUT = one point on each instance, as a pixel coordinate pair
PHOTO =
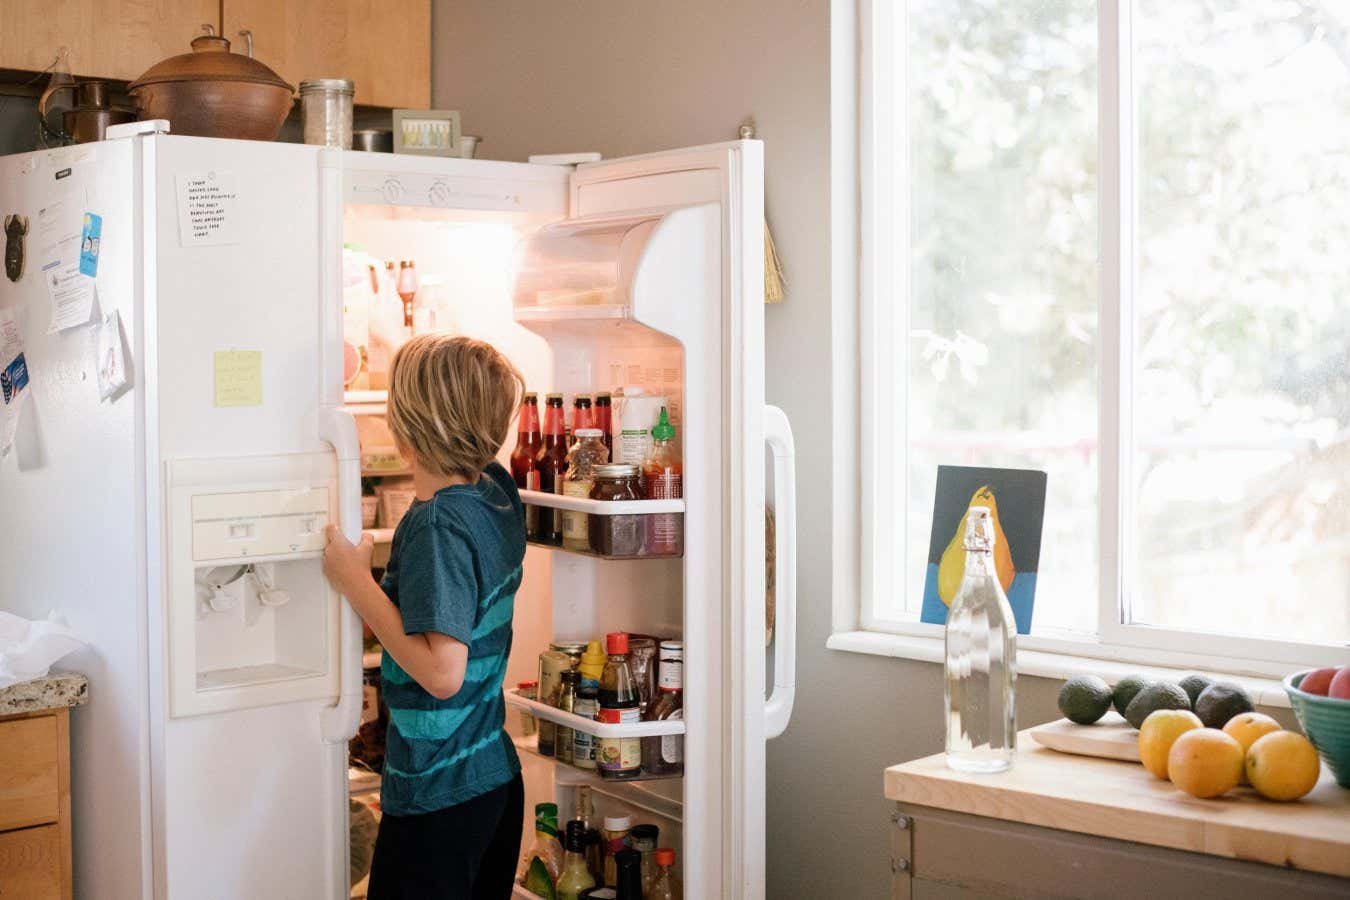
(1156, 696)
(1220, 702)
(1126, 688)
(1084, 699)
(1194, 685)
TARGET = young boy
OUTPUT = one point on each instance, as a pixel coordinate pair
(452, 795)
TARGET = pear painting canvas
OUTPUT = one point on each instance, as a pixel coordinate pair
(1016, 502)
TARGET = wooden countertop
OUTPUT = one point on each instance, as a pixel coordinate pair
(58, 689)
(1122, 800)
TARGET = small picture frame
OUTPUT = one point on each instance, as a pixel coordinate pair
(426, 132)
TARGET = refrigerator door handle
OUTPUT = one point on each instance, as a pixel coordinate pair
(778, 437)
(338, 429)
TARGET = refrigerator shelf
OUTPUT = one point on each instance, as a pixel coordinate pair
(365, 398)
(566, 773)
(602, 507)
(590, 726)
(593, 555)
(580, 312)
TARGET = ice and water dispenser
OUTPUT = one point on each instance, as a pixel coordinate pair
(252, 620)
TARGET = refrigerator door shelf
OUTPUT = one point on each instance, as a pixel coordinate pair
(566, 773)
(602, 507)
(581, 313)
(590, 726)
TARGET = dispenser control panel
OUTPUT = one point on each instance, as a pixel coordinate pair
(258, 523)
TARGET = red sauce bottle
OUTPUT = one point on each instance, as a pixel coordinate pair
(551, 464)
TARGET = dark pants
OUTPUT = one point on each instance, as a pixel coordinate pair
(465, 852)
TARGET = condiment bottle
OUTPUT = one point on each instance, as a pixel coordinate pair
(567, 698)
(604, 419)
(592, 664)
(529, 441)
(407, 290)
(664, 755)
(595, 843)
(628, 878)
(642, 663)
(583, 745)
(617, 535)
(582, 414)
(587, 453)
(530, 690)
(575, 877)
(644, 838)
(662, 479)
(618, 758)
(551, 464)
(546, 849)
(665, 886)
(617, 840)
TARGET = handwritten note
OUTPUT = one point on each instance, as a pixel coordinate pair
(208, 209)
(239, 378)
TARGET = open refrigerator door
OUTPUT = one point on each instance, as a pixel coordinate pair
(641, 278)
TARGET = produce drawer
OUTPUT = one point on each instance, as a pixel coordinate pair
(30, 864)
(29, 781)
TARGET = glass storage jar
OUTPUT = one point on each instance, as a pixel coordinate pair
(619, 535)
(326, 111)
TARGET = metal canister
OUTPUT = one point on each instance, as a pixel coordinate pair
(326, 111)
(552, 663)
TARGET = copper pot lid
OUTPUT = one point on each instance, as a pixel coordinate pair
(210, 60)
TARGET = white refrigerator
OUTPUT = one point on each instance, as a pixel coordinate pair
(178, 522)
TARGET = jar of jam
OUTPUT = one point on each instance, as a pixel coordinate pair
(619, 535)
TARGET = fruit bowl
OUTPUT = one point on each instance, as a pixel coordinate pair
(1326, 722)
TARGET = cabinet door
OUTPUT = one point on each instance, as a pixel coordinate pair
(382, 45)
(116, 39)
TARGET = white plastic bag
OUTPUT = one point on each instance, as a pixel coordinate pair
(28, 649)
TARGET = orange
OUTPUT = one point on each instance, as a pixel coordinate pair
(1249, 726)
(1205, 762)
(1157, 734)
(1283, 765)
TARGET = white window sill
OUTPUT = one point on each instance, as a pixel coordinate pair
(1043, 664)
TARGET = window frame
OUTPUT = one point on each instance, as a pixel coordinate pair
(880, 72)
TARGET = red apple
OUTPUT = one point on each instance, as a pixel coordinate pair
(1340, 684)
(1317, 681)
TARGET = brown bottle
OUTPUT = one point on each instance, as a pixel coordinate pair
(528, 443)
(604, 419)
(551, 463)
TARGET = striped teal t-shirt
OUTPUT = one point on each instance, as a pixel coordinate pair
(454, 568)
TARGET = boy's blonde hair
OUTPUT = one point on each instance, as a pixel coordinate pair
(451, 401)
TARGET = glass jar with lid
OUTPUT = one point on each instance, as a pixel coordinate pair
(326, 111)
(588, 452)
(616, 535)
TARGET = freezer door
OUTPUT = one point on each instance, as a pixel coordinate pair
(721, 326)
(243, 383)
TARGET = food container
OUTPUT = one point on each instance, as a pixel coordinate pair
(616, 535)
(395, 501)
(529, 726)
(1326, 722)
(373, 140)
(212, 92)
(370, 508)
(326, 111)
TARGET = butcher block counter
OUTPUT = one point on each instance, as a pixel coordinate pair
(1058, 825)
(35, 861)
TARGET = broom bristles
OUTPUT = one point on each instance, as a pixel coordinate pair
(773, 270)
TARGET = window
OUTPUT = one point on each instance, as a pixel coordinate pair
(1109, 241)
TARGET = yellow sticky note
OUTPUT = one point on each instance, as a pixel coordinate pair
(239, 378)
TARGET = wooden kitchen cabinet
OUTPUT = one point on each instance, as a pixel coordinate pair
(35, 851)
(116, 39)
(382, 45)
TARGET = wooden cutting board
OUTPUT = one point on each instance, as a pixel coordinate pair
(1110, 738)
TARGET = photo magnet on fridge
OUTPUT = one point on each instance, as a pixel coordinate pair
(91, 234)
(1016, 502)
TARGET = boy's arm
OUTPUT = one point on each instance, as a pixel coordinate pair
(435, 661)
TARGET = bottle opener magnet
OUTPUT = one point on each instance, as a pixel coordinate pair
(16, 226)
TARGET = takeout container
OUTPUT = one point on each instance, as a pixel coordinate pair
(1326, 722)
